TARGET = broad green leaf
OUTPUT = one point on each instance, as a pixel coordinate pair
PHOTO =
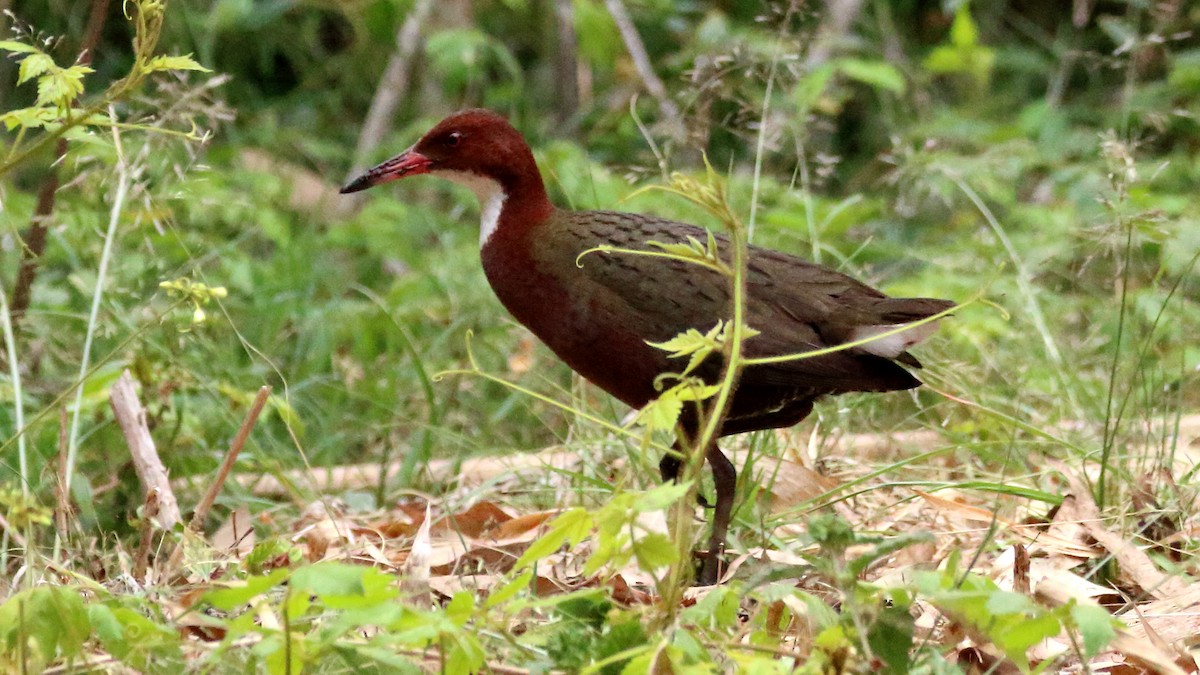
(716, 609)
(1002, 602)
(1016, 637)
(134, 639)
(945, 59)
(1096, 627)
(811, 87)
(50, 619)
(662, 413)
(654, 551)
(460, 608)
(329, 579)
(466, 656)
(891, 636)
(660, 497)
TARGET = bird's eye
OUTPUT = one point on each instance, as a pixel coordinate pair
(453, 139)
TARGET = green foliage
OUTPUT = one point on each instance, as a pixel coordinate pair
(1012, 621)
(964, 54)
(57, 87)
(41, 625)
(60, 89)
(938, 152)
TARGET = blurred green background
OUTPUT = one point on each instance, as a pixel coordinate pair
(1041, 154)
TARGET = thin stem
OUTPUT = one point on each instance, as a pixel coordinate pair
(799, 356)
(14, 373)
(114, 218)
(760, 149)
(1110, 425)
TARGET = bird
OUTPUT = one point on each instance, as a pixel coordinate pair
(600, 313)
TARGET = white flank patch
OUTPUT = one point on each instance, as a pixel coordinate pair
(491, 199)
(892, 345)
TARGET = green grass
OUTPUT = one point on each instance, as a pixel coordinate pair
(1083, 243)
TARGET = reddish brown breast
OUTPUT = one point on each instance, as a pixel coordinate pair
(532, 269)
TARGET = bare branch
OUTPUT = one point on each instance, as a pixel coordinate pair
(150, 470)
(641, 62)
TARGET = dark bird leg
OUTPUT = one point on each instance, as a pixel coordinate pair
(725, 480)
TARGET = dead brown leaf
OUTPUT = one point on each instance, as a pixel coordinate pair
(1132, 560)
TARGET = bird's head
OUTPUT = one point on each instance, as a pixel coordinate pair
(471, 147)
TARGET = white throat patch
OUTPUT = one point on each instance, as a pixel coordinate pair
(491, 199)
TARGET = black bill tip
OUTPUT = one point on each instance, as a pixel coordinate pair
(361, 183)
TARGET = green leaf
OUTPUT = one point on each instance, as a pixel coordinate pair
(878, 74)
(49, 619)
(329, 579)
(19, 47)
(342, 586)
(1016, 637)
(174, 63)
(61, 86)
(706, 254)
(32, 118)
(1096, 627)
(287, 414)
(460, 608)
(1002, 602)
(963, 32)
(105, 624)
(717, 609)
(660, 497)
(34, 65)
(134, 639)
(466, 656)
(625, 635)
(687, 342)
(945, 59)
(240, 592)
(654, 551)
(891, 636)
(886, 548)
(811, 87)
(571, 526)
(662, 413)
